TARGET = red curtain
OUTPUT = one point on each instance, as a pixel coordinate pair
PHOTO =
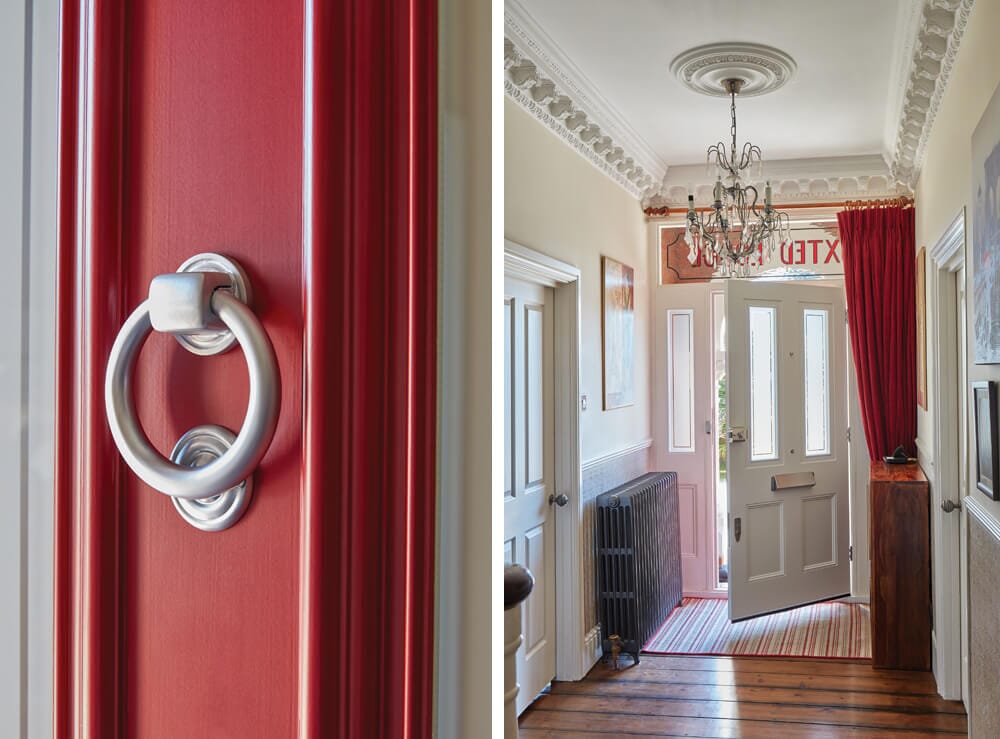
(879, 254)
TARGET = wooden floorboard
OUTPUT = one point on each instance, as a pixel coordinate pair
(746, 697)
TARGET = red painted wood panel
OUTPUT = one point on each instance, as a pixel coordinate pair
(183, 129)
(371, 314)
(214, 163)
(66, 381)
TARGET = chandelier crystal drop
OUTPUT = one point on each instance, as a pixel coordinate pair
(738, 234)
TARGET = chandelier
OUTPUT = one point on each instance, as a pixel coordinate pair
(738, 234)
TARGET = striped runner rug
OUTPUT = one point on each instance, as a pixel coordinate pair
(831, 630)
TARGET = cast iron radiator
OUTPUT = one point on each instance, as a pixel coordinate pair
(638, 543)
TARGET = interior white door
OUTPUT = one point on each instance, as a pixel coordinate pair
(788, 451)
(529, 531)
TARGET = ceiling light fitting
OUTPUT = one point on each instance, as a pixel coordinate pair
(737, 232)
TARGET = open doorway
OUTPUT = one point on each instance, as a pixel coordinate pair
(707, 520)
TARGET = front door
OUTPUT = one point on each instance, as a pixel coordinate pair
(529, 530)
(788, 475)
(300, 140)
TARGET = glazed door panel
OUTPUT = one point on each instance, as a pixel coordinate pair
(247, 129)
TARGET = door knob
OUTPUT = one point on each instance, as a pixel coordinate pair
(948, 506)
(560, 500)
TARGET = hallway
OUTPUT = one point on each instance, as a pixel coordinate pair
(744, 697)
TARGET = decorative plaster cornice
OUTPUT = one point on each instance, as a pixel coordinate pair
(543, 81)
(793, 180)
(541, 78)
(938, 35)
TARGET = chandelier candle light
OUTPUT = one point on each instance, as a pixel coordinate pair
(738, 233)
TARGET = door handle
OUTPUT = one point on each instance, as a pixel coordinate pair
(560, 500)
(948, 506)
(209, 473)
(737, 528)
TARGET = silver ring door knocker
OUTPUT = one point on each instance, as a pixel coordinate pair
(210, 472)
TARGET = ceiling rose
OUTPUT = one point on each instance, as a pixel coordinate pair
(706, 69)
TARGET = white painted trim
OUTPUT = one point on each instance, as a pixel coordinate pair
(714, 594)
(852, 599)
(593, 649)
(949, 251)
(29, 135)
(614, 456)
(41, 329)
(574, 656)
(979, 512)
(672, 424)
(15, 372)
(532, 266)
(942, 464)
(793, 180)
(468, 637)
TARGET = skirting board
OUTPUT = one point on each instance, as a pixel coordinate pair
(591, 649)
(717, 594)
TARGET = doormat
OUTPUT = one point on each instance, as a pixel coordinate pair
(831, 630)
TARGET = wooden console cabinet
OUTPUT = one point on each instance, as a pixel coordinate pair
(901, 567)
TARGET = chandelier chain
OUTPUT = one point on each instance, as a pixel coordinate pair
(732, 131)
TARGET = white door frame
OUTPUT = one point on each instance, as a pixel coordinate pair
(947, 257)
(529, 265)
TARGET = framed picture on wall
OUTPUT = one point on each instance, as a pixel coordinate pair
(984, 404)
(986, 234)
(618, 329)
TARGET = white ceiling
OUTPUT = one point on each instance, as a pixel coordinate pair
(843, 100)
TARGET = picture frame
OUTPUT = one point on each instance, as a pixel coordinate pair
(984, 405)
(618, 333)
(985, 288)
(921, 303)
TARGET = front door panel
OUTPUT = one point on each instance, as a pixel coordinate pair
(214, 163)
(283, 135)
(788, 477)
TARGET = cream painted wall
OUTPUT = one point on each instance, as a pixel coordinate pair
(943, 190)
(558, 204)
(945, 184)
(468, 684)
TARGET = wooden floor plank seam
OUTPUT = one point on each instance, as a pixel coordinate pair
(908, 710)
(768, 687)
(741, 719)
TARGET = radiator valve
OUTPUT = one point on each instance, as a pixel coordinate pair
(616, 649)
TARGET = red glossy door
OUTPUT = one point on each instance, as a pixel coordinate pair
(300, 139)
